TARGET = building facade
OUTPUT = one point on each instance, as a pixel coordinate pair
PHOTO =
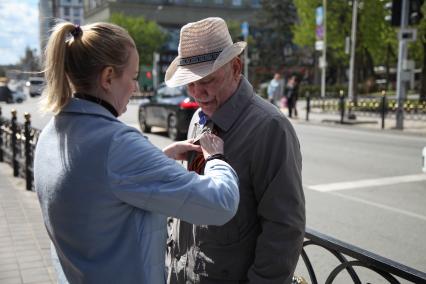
(50, 11)
(171, 15)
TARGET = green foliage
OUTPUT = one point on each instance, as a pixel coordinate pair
(147, 35)
(304, 29)
(338, 20)
(234, 28)
(375, 33)
(338, 28)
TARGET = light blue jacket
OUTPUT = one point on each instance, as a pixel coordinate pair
(105, 192)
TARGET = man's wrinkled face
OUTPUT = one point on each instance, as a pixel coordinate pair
(212, 91)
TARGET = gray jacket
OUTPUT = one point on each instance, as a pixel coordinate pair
(262, 243)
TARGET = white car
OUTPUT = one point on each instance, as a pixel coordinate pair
(35, 86)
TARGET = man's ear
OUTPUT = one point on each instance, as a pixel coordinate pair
(237, 67)
(106, 77)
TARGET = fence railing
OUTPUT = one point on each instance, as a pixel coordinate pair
(17, 146)
(413, 109)
(350, 257)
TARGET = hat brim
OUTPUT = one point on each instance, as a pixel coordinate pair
(182, 75)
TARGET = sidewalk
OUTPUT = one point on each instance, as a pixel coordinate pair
(374, 123)
(24, 244)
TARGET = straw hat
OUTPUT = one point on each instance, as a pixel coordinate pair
(204, 47)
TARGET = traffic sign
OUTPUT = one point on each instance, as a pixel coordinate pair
(245, 28)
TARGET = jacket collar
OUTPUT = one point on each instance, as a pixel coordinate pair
(86, 107)
(228, 113)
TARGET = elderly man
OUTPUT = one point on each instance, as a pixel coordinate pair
(262, 243)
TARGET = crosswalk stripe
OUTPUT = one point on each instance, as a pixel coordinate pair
(367, 183)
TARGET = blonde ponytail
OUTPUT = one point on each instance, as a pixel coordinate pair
(75, 56)
(57, 92)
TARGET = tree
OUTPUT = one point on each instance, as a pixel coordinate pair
(338, 27)
(148, 36)
(376, 40)
(275, 21)
(30, 61)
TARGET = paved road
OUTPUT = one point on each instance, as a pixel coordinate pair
(366, 188)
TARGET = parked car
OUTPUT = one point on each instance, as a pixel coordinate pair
(170, 108)
(9, 96)
(5, 94)
(35, 86)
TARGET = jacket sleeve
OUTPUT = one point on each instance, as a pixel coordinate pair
(141, 175)
(278, 188)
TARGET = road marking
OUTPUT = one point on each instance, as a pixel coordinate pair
(382, 206)
(367, 183)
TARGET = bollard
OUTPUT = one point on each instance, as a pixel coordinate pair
(28, 152)
(1, 137)
(342, 106)
(424, 160)
(15, 163)
(383, 108)
(308, 105)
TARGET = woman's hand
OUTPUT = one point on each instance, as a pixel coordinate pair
(211, 144)
(178, 150)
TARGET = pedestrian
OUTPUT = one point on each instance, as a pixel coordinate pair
(292, 94)
(262, 242)
(275, 90)
(104, 189)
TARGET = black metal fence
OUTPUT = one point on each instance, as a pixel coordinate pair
(17, 145)
(351, 257)
(372, 106)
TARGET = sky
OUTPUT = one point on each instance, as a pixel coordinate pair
(19, 28)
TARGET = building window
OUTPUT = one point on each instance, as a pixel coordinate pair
(255, 3)
(198, 1)
(76, 12)
(236, 2)
(66, 11)
(94, 3)
(218, 2)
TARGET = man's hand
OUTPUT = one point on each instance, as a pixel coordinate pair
(178, 150)
(211, 144)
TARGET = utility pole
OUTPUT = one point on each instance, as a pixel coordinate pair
(323, 59)
(245, 32)
(352, 57)
(401, 83)
(155, 70)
